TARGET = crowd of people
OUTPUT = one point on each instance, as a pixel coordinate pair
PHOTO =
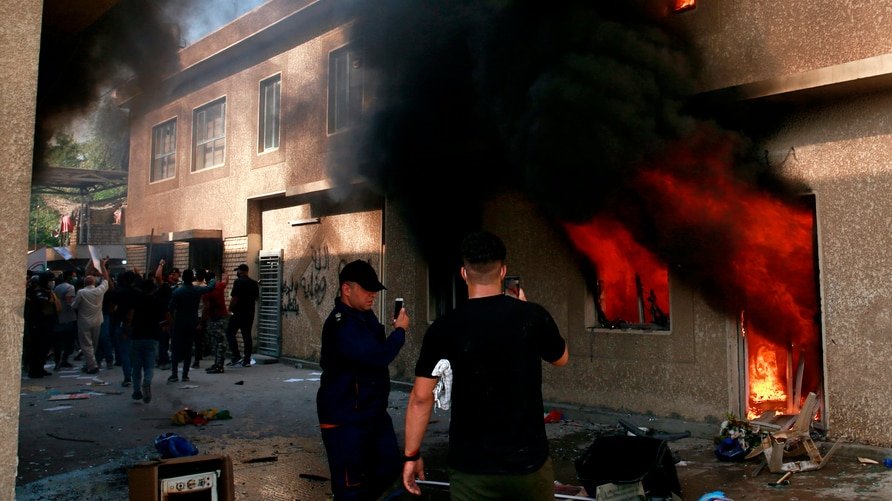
(484, 359)
(167, 320)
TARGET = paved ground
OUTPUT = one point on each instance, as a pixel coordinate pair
(82, 449)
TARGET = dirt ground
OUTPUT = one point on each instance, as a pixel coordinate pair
(83, 448)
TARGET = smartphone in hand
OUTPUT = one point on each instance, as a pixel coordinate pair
(397, 306)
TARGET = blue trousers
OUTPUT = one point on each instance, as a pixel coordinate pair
(142, 361)
(364, 459)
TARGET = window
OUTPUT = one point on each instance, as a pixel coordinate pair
(628, 287)
(344, 89)
(164, 151)
(209, 135)
(268, 137)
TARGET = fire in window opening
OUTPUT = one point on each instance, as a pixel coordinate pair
(628, 283)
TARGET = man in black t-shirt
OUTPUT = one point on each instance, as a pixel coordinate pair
(495, 345)
(245, 291)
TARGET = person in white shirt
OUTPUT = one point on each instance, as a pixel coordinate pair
(88, 305)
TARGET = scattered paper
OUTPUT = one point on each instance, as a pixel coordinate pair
(299, 379)
(70, 396)
(58, 408)
(867, 460)
(188, 386)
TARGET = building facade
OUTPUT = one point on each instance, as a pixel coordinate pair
(234, 159)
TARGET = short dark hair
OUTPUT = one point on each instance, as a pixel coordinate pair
(481, 247)
(188, 276)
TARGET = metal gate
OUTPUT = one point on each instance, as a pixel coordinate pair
(269, 316)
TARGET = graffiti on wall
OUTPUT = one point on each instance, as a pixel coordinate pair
(312, 282)
(289, 298)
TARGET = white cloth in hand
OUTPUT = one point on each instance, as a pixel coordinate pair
(443, 390)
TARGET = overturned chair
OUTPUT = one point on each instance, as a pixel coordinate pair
(794, 441)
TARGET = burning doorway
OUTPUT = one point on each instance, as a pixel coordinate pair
(781, 367)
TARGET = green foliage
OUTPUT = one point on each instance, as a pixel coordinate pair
(42, 222)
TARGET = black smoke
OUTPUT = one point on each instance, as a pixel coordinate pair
(560, 101)
(79, 68)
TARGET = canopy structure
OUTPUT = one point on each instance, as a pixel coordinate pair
(61, 180)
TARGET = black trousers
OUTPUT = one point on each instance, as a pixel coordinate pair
(240, 322)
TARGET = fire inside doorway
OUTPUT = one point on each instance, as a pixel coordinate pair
(784, 358)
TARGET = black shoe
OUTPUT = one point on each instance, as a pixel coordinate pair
(146, 394)
(173, 379)
(126, 383)
(94, 370)
(246, 363)
(234, 362)
(215, 369)
(35, 375)
(137, 395)
(185, 378)
(65, 365)
(45, 373)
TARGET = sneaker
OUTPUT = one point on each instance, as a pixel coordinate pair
(165, 366)
(234, 362)
(137, 395)
(215, 369)
(246, 363)
(173, 379)
(94, 370)
(126, 383)
(185, 378)
(146, 394)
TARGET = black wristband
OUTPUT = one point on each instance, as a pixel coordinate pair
(413, 457)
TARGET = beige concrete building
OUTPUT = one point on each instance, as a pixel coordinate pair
(230, 162)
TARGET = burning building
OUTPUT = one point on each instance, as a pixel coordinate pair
(696, 195)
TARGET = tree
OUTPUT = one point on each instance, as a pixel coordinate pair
(42, 223)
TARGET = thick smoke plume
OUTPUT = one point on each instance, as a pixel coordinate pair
(131, 40)
(585, 107)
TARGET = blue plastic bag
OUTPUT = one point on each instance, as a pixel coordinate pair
(171, 445)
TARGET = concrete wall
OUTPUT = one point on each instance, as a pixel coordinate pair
(313, 255)
(19, 47)
(843, 151)
(839, 144)
(746, 41)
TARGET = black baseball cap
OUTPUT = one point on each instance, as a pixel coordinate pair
(361, 272)
(241, 267)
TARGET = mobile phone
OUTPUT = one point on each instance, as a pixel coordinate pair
(511, 285)
(397, 306)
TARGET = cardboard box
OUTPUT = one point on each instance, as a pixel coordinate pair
(145, 479)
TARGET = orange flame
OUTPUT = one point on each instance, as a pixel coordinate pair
(743, 248)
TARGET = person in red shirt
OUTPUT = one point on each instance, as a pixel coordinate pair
(214, 315)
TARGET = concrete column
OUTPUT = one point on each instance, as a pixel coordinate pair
(19, 48)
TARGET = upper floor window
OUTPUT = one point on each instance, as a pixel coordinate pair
(683, 5)
(270, 93)
(344, 89)
(209, 135)
(164, 150)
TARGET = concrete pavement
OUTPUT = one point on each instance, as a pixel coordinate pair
(82, 448)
